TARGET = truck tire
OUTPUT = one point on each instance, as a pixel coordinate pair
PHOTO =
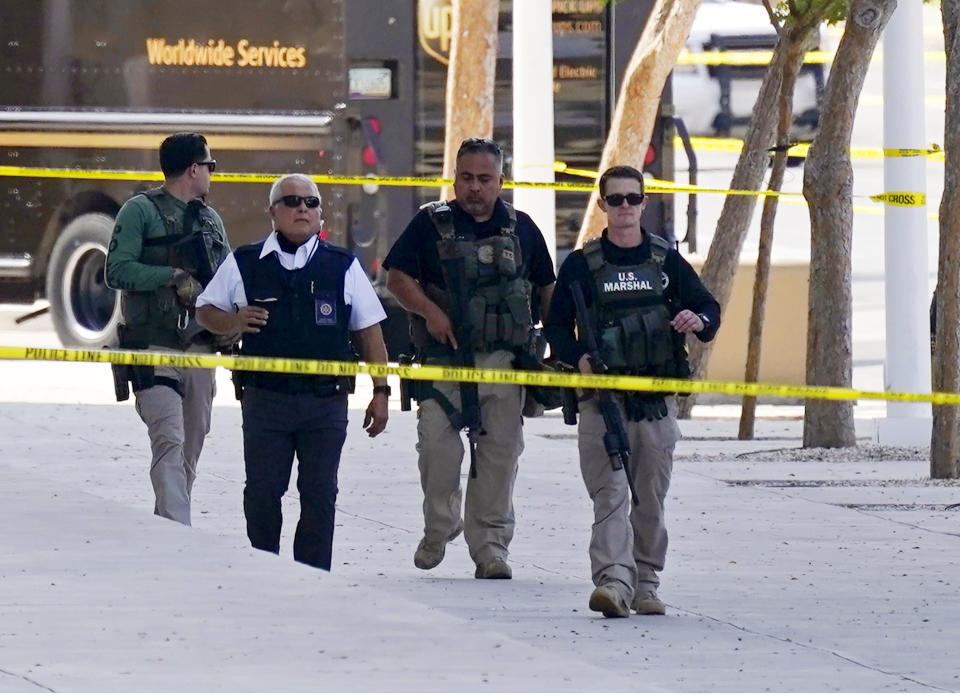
(85, 311)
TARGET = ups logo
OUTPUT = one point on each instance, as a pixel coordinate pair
(435, 28)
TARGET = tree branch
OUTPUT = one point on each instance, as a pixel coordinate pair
(772, 15)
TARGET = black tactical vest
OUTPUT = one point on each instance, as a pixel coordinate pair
(194, 242)
(635, 335)
(497, 298)
(308, 316)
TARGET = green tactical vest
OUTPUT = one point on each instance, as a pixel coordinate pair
(194, 242)
(498, 299)
(635, 335)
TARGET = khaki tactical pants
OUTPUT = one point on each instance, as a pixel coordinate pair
(628, 545)
(177, 427)
(488, 516)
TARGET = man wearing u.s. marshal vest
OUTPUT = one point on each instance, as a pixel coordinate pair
(295, 296)
(466, 271)
(166, 245)
(640, 298)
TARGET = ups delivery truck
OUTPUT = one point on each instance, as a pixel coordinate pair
(88, 89)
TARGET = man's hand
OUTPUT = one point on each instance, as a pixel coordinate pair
(375, 418)
(584, 365)
(441, 328)
(249, 319)
(687, 321)
(187, 287)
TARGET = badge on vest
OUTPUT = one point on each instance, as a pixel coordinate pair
(326, 310)
(626, 281)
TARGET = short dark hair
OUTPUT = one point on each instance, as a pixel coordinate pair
(179, 151)
(620, 172)
(483, 145)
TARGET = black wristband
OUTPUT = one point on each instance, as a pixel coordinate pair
(382, 389)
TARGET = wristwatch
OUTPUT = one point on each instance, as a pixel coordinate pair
(382, 389)
(706, 320)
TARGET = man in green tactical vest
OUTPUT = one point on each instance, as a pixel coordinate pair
(166, 245)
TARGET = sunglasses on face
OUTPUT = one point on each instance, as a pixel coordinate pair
(209, 164)
(617, 200)
(293, 201)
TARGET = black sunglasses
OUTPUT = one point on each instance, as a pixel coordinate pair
(293, 201)
(209, 164)
(616, 200)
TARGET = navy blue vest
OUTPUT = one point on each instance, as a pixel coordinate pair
(308, 317)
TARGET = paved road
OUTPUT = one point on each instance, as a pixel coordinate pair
(783, 575)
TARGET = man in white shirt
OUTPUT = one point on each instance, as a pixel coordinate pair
(295, 296)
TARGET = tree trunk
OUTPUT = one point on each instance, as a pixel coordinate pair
(654, 57)
(724, 255)
(945, 441)
(828, 186)
(470, 78)
(762, 276)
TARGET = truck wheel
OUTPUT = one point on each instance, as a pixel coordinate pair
(85, 311)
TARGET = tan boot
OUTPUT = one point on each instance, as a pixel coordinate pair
(647, 603)
(607, 599)
(496, 568)
(430, 554)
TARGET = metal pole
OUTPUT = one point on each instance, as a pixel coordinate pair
(533, 147)
(906, 293)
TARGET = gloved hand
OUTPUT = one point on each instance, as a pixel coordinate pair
(644, 407)
(187, 287)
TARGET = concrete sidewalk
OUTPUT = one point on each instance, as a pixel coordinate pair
(783, 574)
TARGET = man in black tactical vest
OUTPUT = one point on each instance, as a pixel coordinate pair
(640, 299)
(166, 245)
(465, 270)
(295, 296)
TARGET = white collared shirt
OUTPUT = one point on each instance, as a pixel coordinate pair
(225, 290)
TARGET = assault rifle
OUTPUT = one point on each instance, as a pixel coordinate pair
(455, 276)
(615, 439)
(469, 397)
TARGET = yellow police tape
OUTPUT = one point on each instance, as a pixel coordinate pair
(895, 198)
(454, 374)
(655, 186)
(260, 178)
(901, 198)
(763, 57)
(735, 145)
(751, 57)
